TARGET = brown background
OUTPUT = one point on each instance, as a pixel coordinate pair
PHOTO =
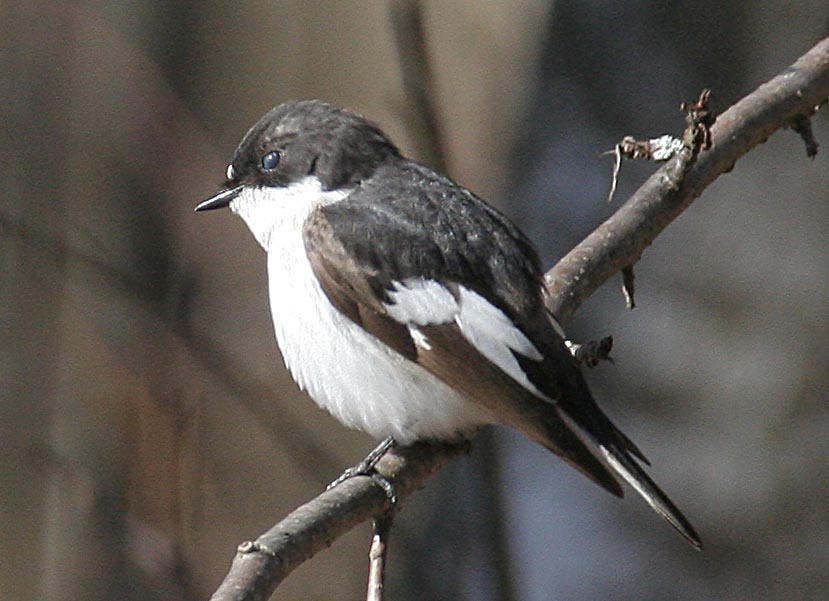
(146, 423)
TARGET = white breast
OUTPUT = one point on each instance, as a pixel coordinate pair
(361, 381)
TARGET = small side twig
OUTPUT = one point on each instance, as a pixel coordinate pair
(656, 149)
(592, 352)
(629, 286)
(699, 118)
(802, 125)
(377, 556)
(697, 136)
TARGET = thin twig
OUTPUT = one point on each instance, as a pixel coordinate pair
(615, 244)
(629, 286)
(377, 556)
(592, 352)
(656, 149)
(802, 125)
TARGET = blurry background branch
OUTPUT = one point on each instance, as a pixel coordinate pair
(795, 94)
(244, 387)
(418, 81)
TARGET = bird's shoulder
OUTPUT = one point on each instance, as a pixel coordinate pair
(408, 221)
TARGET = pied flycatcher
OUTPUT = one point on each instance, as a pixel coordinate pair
(407, 306)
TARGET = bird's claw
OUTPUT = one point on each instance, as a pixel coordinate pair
(366, 468)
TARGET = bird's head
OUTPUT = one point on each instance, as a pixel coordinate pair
(296, 150)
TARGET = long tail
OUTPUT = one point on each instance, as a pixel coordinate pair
(574, 427)
(634, 475)
(614, 450)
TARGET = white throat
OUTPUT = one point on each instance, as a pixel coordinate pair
(267, 209)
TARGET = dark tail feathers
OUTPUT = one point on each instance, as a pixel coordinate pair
(633, 474)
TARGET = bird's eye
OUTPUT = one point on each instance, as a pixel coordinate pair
(270, 160)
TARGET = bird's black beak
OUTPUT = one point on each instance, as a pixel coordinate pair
(220, 200)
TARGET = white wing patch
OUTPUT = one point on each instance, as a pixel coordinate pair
(420, 302)
(495, 336)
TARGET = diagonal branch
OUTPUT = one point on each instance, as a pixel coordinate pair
(784, 101)
(259, 566)
(616, 244)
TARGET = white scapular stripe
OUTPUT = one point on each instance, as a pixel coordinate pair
(495, 336)
(419, 302)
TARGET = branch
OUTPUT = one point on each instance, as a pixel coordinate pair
(260, 565)
(785, 101)
(618, 243)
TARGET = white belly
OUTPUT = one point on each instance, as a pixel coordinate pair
(361, 381)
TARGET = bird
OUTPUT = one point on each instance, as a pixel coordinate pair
(407, 306)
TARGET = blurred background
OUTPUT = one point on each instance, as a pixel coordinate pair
(147, 425)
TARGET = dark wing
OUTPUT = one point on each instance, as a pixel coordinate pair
(405, 252)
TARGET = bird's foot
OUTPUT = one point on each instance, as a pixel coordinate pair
(366, 468)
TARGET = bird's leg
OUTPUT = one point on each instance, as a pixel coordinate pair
(366, 468)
